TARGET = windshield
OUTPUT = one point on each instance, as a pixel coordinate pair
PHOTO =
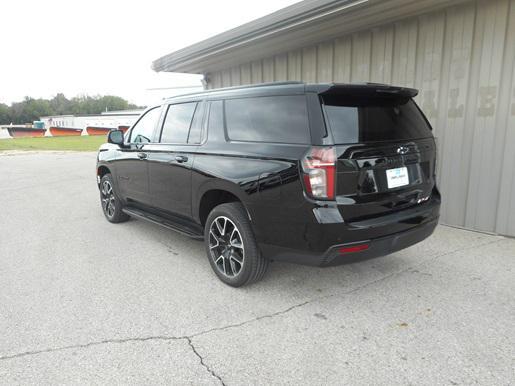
(374, 118)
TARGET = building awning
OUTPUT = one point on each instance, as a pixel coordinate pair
(299, 25)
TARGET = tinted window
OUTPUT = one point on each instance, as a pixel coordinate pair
(144, 128)
(177, 123)
(196, 126)
(268, 119)
(216, 121)
(370, 119)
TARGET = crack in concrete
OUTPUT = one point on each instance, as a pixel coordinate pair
(190, 342)
(154, 337)
(90, 344)
(119, 341)
(235, 325)
(189, 338)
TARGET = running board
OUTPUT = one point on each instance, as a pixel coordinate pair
(180, 227)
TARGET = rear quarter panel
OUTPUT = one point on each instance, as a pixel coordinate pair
(265, 178)
(255, 173)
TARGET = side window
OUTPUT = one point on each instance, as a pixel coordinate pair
(177, 122)
(281, 119)
(216, 122)
(196, 126)
(143, 130)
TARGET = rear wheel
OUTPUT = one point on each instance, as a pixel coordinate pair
(231, 246)
(111, 204)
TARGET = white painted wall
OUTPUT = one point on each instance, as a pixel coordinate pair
(111, 119)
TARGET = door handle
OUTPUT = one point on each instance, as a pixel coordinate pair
(142, 155)
(181, 158)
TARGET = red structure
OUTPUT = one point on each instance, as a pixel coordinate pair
(92, 130)
(19, 132)
(64, 131)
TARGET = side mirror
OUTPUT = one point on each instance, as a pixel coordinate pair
(115, 137)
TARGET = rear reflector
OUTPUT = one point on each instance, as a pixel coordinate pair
(353, 248)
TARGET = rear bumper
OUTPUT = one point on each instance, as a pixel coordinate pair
(380, 246)
(319, 244)
(377, 247)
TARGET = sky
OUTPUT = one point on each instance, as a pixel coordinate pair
(107, 46)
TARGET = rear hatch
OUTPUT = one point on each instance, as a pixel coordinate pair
(384, 147)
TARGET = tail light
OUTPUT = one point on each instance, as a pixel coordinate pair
(319, 172)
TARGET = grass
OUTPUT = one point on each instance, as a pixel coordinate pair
(78, 143)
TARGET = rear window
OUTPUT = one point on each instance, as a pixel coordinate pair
(370, 119)
(282, 119)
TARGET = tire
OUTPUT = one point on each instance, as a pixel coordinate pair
(233, 254)
(109, 201)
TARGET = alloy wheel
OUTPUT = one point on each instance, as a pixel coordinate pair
(226, 246)
(108, 199)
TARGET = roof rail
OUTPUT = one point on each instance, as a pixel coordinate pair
(292, 82)
(270, 84)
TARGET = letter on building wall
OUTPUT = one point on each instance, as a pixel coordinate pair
(455, 110)
(429, 104)
(487, 95)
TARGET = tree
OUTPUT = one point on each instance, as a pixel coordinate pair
(5, 114)
(60, 104)
(95, 105)
(31, 109)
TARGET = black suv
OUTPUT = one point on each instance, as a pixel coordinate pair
(317, 174)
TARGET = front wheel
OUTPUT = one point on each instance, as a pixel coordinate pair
(231, 246)
(111, 204)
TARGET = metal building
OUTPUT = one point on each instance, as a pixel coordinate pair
(460, 54)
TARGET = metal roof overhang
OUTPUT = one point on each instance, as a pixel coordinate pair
(299, 25)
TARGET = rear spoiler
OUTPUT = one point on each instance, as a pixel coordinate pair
(362, 89)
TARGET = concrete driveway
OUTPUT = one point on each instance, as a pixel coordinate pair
(86, 301)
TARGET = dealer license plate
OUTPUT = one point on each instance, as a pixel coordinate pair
(397, 177)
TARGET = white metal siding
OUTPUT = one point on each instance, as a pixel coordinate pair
(463, 61)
